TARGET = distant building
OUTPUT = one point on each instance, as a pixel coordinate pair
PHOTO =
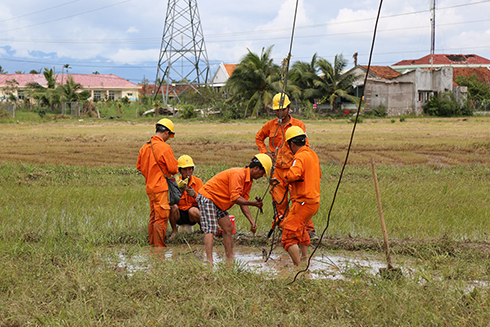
(407, 93)
(149, 89)
(441, 60)
(101, 86)
(222, 74)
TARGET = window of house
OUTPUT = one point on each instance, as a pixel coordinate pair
(97, 95)
(21, 96)
(425, 95)
(111, 95)
(130, 94)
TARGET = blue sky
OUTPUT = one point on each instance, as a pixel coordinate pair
(123, 37)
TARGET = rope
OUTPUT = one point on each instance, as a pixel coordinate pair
(279, 125)
(348, 149)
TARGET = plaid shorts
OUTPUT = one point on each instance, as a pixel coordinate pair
(210, 214)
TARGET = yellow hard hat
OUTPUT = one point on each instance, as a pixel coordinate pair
(168, 124)
(278, 104)
(185, 161)
(294, 131)
(265, 161)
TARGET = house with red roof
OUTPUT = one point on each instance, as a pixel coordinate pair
(101, 86)
(407, 93)
(441, 60)
(222, 74)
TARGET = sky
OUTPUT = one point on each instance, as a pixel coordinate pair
(123, 37)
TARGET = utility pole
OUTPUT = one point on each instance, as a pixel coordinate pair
(182, 40)
(432, 26)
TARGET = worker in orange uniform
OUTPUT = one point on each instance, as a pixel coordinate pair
(304, 177)
(155, 161)
(186, 212)
(221, 192)
(275, 130)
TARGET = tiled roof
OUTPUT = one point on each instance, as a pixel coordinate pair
(445, 59)
(385, 72)
(149, 89)
(230, 68)
(86, 80)
(482, 73)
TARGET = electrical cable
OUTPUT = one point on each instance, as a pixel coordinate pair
(348, 150)
(279, 126)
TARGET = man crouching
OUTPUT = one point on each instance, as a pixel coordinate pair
(186, 212)
(221, 192)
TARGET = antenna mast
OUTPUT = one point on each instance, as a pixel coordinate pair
(182, 41)
(432, 26)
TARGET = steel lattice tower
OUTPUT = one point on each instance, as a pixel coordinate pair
(183, 64)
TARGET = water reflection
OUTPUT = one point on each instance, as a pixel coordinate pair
(321, 265)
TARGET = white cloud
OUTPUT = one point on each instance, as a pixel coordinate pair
(285, 16)
(131, 56)
(132, 29)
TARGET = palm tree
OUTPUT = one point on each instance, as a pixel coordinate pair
(47, 96)
(302, 75)
(334, 85)
(65, 66)
(72, 92)
(50, 78)
(256, 79)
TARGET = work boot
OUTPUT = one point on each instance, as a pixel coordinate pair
(313, 236)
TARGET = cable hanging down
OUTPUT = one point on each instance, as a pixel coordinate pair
(286, 62)
(348, 149)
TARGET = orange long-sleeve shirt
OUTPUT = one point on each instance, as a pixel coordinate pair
(227, 186)
(186, 201)
(155, 180)
(284, 157)
(304, 176)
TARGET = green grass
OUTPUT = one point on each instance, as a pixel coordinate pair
(101, 204)
(64, 222)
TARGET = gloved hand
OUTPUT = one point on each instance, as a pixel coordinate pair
(273, 181)
(191, 192)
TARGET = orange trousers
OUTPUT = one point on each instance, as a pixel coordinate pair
(294, 226)
(278, 193)
(159, 213)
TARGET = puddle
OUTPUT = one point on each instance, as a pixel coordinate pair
(322, 265)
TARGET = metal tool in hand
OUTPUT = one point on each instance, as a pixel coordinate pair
(260, 200)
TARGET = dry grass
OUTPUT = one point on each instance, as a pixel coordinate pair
(452, 141)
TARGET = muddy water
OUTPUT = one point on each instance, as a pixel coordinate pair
(322, 265)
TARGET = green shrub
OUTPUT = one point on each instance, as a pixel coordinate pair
(187, 111)
(353, 119)
(446, 106)
(379, 111)
(41, 111)
(232, 110)
(402, 119)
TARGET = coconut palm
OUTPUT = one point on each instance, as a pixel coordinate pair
(46, 96)
(256, 79)
(50, 78)
(302, 75)
(72, 91)
(333, 84)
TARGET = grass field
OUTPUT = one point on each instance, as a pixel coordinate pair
(71, 201)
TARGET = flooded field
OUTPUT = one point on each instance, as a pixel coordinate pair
(322, 265)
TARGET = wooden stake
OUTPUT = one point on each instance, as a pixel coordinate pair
(381, 217)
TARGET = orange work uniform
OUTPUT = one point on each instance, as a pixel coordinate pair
(304, 177)
(227, 186)
(187, 201)
(156, 185)
(284, 158)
